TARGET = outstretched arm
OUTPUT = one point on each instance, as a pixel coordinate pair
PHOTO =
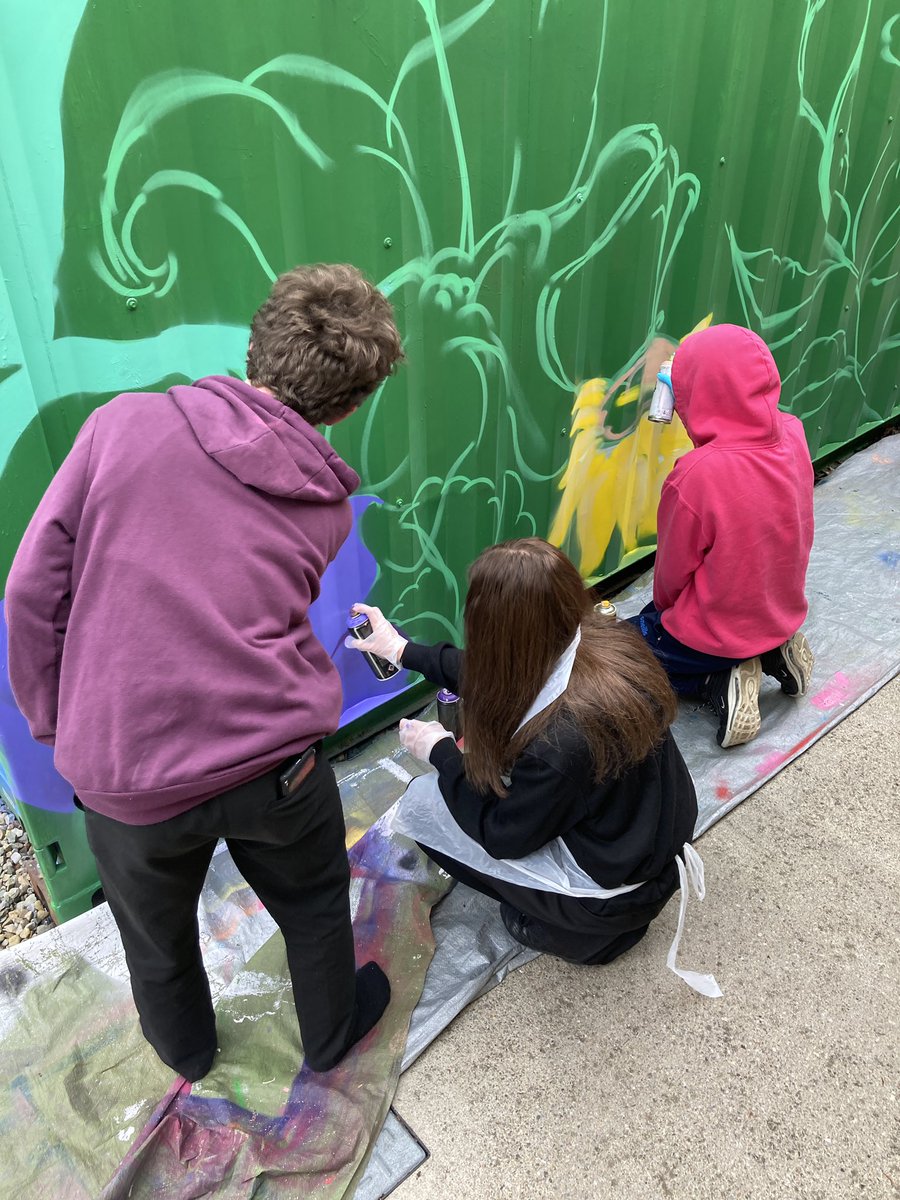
(440, 664)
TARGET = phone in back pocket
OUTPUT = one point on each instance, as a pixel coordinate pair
(294, 774)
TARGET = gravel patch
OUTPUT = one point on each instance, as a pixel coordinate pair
(22, 912)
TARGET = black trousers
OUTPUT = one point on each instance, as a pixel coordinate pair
(291, 852)
(588, 932)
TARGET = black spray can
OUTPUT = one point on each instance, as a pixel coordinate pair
(360, 627)
(449, 711)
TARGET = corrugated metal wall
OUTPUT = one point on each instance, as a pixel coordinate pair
(553, 193)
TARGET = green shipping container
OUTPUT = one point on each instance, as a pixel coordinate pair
(552, 192)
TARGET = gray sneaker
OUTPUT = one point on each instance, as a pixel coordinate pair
(791, 664)
(734, 698)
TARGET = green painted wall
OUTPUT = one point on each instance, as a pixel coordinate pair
(552, 192)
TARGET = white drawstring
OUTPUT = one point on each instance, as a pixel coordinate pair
(690, 873)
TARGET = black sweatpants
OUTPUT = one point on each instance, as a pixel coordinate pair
(588, 932)
(291, 852)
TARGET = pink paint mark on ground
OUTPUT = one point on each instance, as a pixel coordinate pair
(771, 763)
(777, 759)
(723, 792)
(838, 689)
(880, 458)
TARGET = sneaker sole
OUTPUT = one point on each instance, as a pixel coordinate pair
(799, 660)
(743, 704)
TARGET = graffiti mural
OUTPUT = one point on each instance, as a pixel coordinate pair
(831, 313)
(543, 219)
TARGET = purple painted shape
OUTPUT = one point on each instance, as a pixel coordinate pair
(349, 579)
(27, 774)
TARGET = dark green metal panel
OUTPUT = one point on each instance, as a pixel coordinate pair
(552, 193)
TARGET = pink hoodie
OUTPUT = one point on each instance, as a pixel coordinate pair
(735, 522)
(158, 634)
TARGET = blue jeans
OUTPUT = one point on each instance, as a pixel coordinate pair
(687, 669)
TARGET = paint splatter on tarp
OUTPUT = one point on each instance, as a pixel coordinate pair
(77, 1064)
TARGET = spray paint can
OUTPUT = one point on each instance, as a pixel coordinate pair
(449, 711)
(605, 609)
(662, 406)
(359, 627)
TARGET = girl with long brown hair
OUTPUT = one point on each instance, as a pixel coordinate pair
(572, 805)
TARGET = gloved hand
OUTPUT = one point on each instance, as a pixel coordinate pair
(420, 737)
(384, 639)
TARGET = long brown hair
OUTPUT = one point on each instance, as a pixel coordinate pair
(525, 602)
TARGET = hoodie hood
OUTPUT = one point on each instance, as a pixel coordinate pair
(263, 443)
(726, 387)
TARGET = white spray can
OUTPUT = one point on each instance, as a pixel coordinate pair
(662, 406)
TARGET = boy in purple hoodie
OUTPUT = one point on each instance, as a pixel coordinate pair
(159, 640)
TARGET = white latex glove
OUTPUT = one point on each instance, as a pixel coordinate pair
(420, 737)
(385, 641)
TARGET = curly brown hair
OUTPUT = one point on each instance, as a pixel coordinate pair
(323, 341)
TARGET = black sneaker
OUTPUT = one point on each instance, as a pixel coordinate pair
(373, 994)
(791, 664)
(734, 698)
(195, 1066)
(517, 925)
(530, 932)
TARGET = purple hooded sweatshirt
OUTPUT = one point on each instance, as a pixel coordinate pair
(157, 606)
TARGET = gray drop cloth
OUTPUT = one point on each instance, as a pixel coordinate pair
(473, 953)
(397, 1153)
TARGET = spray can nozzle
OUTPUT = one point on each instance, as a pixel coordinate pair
(449, 710)
(662, 406)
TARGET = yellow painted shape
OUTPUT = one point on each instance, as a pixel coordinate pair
(627, 397)
(704, 324)
(614, 484)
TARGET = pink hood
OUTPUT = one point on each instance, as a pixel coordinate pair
(727, 388)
